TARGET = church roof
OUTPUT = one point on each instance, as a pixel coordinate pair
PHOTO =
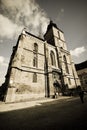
(82, 65)
(52, 24)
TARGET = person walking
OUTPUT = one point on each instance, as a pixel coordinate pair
(81, 94)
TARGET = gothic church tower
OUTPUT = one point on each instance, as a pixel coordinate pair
(61, 66)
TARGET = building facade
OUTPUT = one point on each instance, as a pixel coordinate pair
(36, 64)
(82, 74)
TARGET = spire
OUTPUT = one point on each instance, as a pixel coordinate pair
(51, 24)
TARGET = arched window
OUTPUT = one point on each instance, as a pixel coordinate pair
(34, 77)
(69, 80)
(66, 66)
(52, 55)
(35, 55)
(35, 47)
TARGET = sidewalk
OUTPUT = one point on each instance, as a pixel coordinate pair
(27, 104)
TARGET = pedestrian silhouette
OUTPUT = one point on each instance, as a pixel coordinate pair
(81, 94)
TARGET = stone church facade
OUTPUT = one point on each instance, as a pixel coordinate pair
(36, 64)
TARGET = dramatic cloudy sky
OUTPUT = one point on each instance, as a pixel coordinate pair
(69, 15)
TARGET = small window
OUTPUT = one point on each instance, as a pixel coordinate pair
(52, 55)
(36, 47)
(35, 55)
(69, 80)
(35, 61)
(66, 65)
(34, 77)
(58, 34)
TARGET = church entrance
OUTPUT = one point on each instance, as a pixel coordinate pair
(57, 83)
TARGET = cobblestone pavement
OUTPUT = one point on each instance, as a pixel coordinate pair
(27, 104)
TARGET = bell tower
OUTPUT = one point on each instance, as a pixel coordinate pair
(55, 36)
(49, 35)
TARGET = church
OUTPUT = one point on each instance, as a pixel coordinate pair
(36, 64)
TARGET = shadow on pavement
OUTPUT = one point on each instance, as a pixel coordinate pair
(69, 114)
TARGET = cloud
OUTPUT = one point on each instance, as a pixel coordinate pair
(78, 51)
(60, 14)
(1, 59)
(15, 15)
(1, 41)
(3, 68)
(7, 28)
(4, 61)
(2, 80)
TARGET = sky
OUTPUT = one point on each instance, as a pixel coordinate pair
(34, 15)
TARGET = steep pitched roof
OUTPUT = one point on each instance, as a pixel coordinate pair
(82, 65)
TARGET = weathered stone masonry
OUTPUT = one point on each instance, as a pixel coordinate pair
(37, 63)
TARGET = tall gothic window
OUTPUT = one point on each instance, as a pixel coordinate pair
(35, 47)
(66, 66)
(35, 55)
(34, 77)
(52, 55)
(69, 80)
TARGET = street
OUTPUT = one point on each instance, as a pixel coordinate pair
(63, 114)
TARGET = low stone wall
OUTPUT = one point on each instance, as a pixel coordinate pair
(28, 96)
(17, 97)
